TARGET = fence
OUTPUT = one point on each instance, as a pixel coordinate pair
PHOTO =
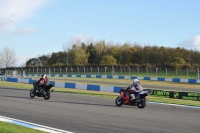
(126, 71)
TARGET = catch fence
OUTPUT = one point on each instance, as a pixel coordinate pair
(124, 71)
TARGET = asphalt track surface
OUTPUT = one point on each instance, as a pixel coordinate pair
(87, 114)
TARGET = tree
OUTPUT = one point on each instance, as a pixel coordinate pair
(177, 62)
(92, 54)
(108, 60)
(151, 54)
(83, 46)
(108, 53)
(163, 56)
(7, 57)
(126, 54)
(1, 61)
(137, 57)
(62, 57)
(77, 56)
(114, 50)
(100, 47)
(31, 62)
(43, 60)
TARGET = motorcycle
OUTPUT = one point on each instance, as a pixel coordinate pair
(41, 91)
(124, 98)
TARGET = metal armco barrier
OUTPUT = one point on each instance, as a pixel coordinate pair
(195, 96)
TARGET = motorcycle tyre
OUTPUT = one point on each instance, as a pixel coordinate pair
(32, 93)
(48, 96)
(118, 102)
(142, 104)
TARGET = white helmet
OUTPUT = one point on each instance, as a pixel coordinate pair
(44, 75)
(135, 80)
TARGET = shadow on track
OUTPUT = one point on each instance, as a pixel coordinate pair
(15, 97)
(7, 88)
(90, 104)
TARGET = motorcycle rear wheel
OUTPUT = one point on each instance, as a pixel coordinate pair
(32, 93)
(119, 101)
(142, 104)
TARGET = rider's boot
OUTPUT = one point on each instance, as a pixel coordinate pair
(36, 89)
(138, 98)
(44, 93)
(132, 97)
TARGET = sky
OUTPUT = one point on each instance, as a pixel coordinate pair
(39, 27)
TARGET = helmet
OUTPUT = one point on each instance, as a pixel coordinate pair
(43, 75)
(135, 80)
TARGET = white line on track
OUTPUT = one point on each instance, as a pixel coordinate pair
(176, 105)
(32, 125)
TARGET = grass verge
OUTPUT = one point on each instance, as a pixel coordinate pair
(104, 94)
(111, 82)
(12, 128)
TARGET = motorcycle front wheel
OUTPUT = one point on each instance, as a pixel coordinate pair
(119, 101)
(47, 96)
(32, 93)
(142, 104)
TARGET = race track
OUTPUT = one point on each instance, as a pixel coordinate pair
(87, 114)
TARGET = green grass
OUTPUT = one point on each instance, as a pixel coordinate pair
(12, 128)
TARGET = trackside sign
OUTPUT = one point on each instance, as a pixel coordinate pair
(195, 96)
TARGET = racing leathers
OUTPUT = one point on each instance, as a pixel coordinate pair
(42, 83)
(133, 91)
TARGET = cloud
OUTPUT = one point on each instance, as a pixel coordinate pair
(5, 24)
(24, 31)
(13, 11)
(191, 43)
(79, 38)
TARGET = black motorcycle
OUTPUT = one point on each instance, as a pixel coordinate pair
(41, 91)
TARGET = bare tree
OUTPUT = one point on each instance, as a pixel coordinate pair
(8, 57)
(0, 61)
(77, 40)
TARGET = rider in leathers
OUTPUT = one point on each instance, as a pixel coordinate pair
(134, 89)
(43, 81)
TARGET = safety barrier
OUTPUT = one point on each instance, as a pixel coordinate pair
(115, 89)
(92, 87)
(2, 78)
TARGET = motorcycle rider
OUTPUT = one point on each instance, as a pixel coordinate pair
(43, 81)
(134, 89)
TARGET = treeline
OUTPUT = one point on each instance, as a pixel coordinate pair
(108, 54)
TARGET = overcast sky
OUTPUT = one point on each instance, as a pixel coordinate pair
(37, 27)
